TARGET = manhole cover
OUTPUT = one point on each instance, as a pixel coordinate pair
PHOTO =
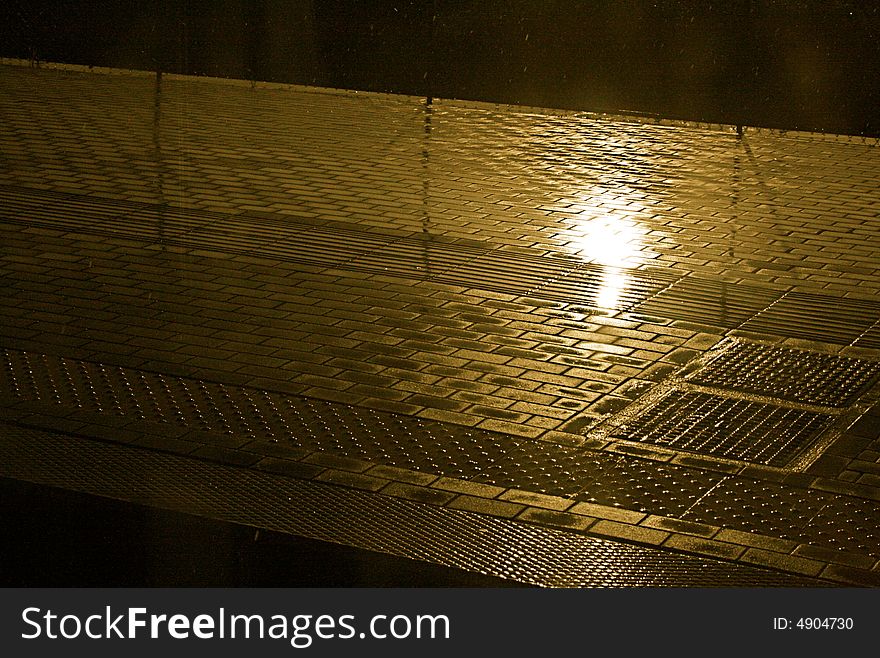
(788, 374)
(725, 427)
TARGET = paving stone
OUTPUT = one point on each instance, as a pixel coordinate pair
(505, 427)
(486, 506)
(628, 532)
(354, 480)
(330, 460)
(605, 512)
(846, 488)
(470, 488)
(115, 434)
(226, 455)
(758, 541)
(554, 518)
(451, 417)
(828, 466)
(680, 526)
(568, 439)
(278, 449)
(641, 451)
(708, 464)
(419, 494)
(702, 546)
(851, 575)
(165, 444)
(219, 439)
(289, 468)
(537, 500)
(402, 475)
(790, 563)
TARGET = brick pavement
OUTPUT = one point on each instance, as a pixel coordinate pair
(371, 251)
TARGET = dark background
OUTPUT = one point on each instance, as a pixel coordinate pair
(809, 65)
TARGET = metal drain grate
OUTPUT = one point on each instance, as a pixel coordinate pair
(789, 374)
(725, 427)
(508, 549)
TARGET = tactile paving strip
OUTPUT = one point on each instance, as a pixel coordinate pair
(510, 272)
(131, 395)
(418, 259)
(725, 427)
(707, 302)
(840, 522)
(789, 374)
(336, 245)
(497, 547)
(606, 479)
(88, 214)
(605, 288)
(816, 317)
(871, 338)
(126, 397)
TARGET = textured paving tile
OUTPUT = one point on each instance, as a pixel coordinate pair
(751, 506)
(815, 317)
(705, 301)
(787, 374)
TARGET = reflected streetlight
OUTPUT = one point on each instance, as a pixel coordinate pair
(611, 239)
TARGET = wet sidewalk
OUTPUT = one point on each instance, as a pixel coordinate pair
(666, 337)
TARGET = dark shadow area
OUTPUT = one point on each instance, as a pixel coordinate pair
(59, 538)
(778, 63)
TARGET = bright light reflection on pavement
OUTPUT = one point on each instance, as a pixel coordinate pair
(610, 238)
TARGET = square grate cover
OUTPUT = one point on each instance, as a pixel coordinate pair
(789, 374)
(725, 427)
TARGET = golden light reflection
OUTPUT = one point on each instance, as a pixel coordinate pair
(613, 284)
(610, 238)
